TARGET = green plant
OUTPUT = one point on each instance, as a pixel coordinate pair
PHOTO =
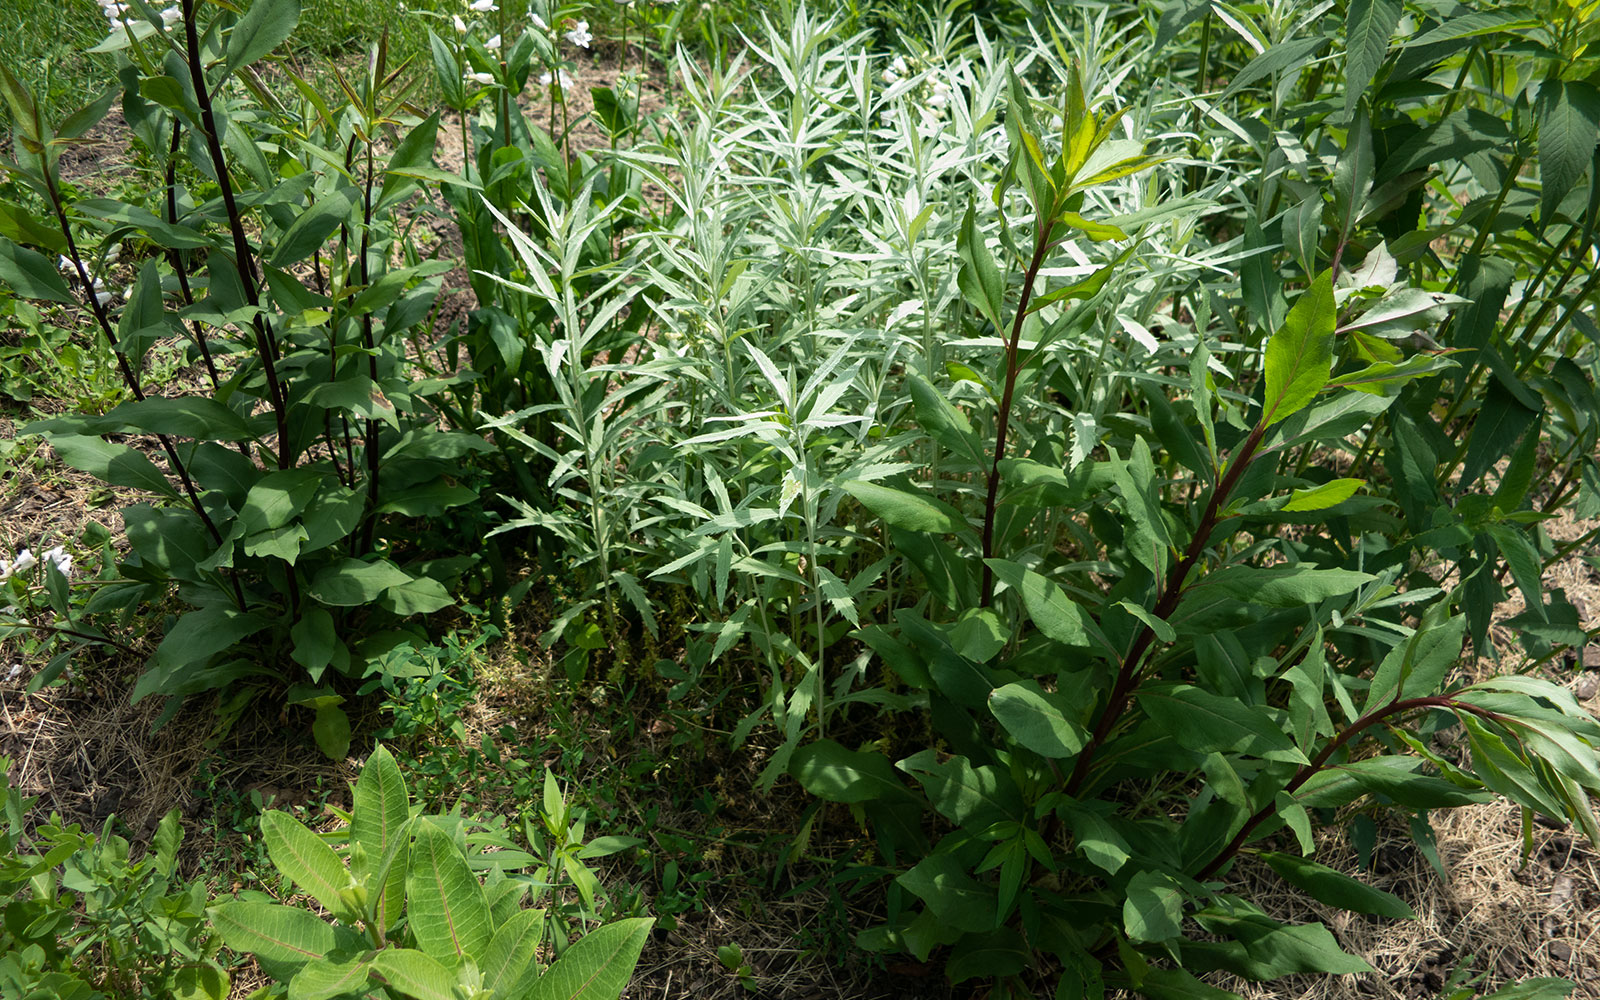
(82, 920)
(283, 485)
(410, 915)
(1176, 677)
(42, 610)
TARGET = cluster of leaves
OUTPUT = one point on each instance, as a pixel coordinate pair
(411, 916)
(82, 921)
(276, 256)
(1100, 496)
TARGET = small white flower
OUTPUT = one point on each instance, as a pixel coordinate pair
(60, 558)
(580, 36)
(114, 254)
(64, 263)
(5, 570)
(461, 26)
(563, 80)
(25, 561)
(481, 79)
(115, 13)
(492, 44)
(14, 672)
(105, 298)
(482, 6)
(538, 22)
(171, 16)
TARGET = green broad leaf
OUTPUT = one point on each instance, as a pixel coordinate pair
(1568, 116)
(331, 729)
(265, 26)
(1175, 984)
(980, 280)
(312, 228)
(22, 226)
(420, 596)
(1260, 948)
(1527, 568)
(191, 642)
(427, 499)
(1051, 611)
(1393, 777)
(1286, 55)
(1163, 631)
(1417, 667)
(1034, 484)
(948, 425)
(1368, 26)
(1205, 722)
(1139, 485)
(1153, 909)
(448, 912)
(1099, 841)
(952, 895)
(829, 771)
(1299, 356)
(380, 823)
(192, 982)
(275, 933)
(415, 974)
(307, 860)
(1037, 720)
(278, 498)
(200, 417)
(143, 320)
(512, 951)
(314, 640)
(1502, 420)
(325, 978)
(979, 635)
(598, 966)
(31, 275)
(150, 225)
(1327, 419)
(1385, 378)
(110, 462)
(1279, 586)
(1097, 231)
(966, 795)
(1543, 988)
(1001, 952)
(1329, 494)
(1335, 888)
(909, 509)
(352, 582)
(354, 393)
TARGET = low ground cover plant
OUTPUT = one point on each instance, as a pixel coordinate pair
(1082, 449)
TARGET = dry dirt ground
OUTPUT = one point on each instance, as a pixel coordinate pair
(87, 753)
